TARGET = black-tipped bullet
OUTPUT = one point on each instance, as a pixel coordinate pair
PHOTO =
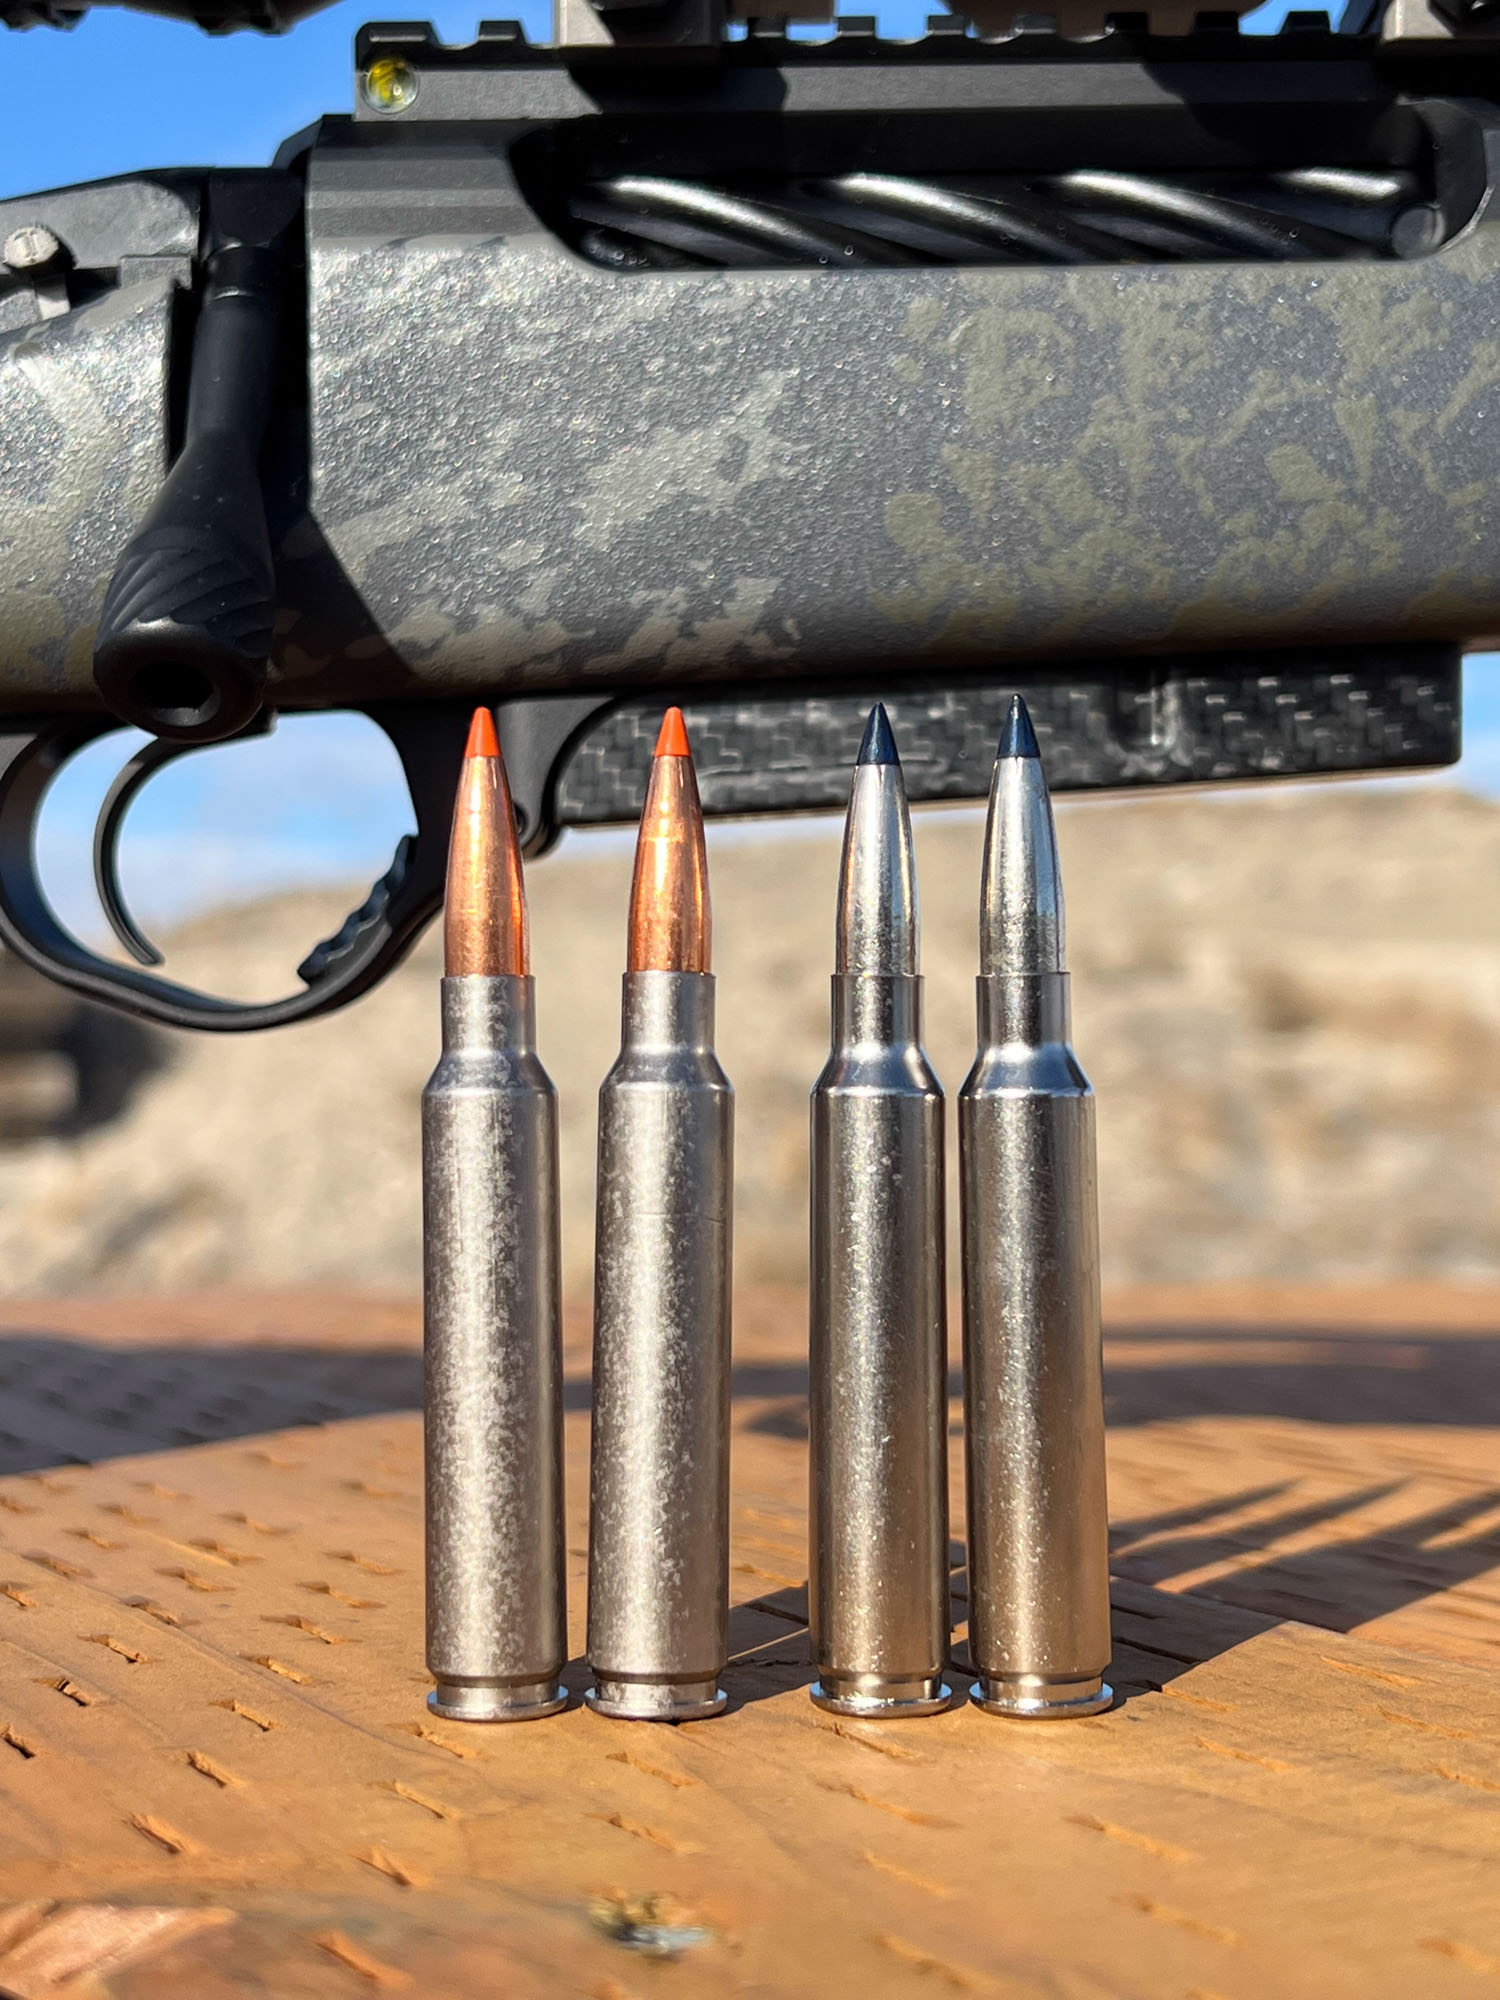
(878, 1592)
(1021, 905)
(1033, 1397)
(878, 746)
(1019, 739)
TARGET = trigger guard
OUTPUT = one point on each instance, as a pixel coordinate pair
(130, 781)
(429, 739)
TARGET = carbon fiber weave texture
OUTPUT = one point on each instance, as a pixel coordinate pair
(761, 753)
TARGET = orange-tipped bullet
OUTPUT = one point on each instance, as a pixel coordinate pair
(497, 1623)
(658, 1632)
(671, 927)
(485, 931)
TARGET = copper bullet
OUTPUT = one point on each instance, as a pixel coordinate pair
(659, 1516)
(492, 1327)
(671, 926)
(485, 932)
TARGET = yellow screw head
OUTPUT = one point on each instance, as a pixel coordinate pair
(389, 84)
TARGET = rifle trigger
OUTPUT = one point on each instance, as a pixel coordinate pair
(375, 909)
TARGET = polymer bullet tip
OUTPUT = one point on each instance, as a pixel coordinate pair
(1019, 739)
(878, 745)
(486, 933)
(672, 739)
(671, 925)
(1021, 904)
(483, 742)
(876, 928)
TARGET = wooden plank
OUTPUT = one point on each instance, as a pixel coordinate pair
(211, 1701)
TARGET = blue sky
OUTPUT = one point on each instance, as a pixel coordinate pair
(125, 90)
(322, 800)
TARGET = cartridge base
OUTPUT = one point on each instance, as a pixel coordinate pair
(656, 1701)
(1041, 1698)
(496, 1701)
(875, 1699)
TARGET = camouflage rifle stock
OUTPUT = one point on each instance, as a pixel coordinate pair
(1146, 368)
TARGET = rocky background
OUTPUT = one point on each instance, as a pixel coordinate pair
(1289, 1002)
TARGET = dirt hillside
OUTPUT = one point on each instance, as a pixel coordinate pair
(1289, 1003)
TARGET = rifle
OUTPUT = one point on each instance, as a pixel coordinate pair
(1140, 366)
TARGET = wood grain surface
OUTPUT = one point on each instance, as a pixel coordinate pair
(217, 1776)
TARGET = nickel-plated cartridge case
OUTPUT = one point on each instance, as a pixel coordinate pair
(878, 1556)
(1039, 1626)
(659, 1495)
(496, 1614)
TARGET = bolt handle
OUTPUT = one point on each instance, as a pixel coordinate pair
(184, 640)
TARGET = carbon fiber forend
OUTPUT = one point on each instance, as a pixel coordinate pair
(1298, 716)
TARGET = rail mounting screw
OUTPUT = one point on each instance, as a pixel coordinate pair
(389, 84)
(32, 247)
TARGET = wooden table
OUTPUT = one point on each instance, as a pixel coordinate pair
(219, 1777)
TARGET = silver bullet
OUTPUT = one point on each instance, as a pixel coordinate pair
(496, 1611)
(659, 1496)
(878, 1584)
(1033, 1396)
